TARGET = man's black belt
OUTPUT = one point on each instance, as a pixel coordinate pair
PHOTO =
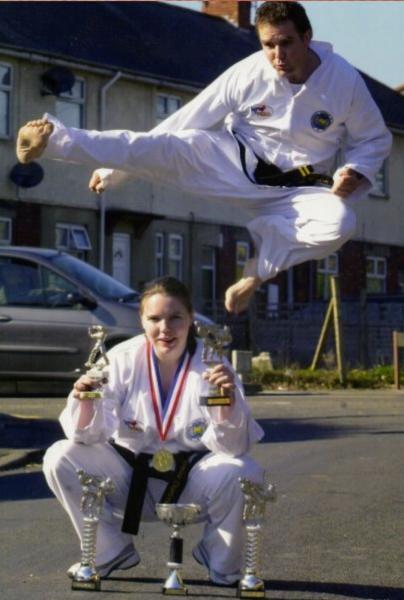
(270, 174)
(140, 463)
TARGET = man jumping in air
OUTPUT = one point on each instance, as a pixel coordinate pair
(264, 136)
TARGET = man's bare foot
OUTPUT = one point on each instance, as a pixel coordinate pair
(238, 296)
(32, 140)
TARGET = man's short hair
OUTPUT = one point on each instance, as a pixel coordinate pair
(273, 13)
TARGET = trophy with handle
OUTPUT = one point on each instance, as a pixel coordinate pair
(92, 500)
(176, 515)
(256, 496)
(215, 338)
(97, 362)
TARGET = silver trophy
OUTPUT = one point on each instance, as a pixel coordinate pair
(176, 515)
(97, 362)
(256, 496)
(92, 500)
(215, 338)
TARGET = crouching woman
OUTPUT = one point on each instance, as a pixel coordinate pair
(152, 437)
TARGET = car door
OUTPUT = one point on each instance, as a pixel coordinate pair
(41, 330)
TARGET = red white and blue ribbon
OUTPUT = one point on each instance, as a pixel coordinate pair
(166, 407)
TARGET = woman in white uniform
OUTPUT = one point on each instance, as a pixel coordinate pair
(150, 414)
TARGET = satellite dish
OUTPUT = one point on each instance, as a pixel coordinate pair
(56, 81)
(27, 176)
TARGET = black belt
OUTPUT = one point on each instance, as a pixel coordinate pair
(140, 463)
(270, 174)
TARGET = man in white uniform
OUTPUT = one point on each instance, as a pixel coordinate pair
(264, 135)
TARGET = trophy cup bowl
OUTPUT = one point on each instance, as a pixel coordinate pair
(176, 516)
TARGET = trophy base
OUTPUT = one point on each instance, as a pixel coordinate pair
(214, 400)
(86, 578)
(90, 395)
(174, 586)
(89, 586)
(251, 587)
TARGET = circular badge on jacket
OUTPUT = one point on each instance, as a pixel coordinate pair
(196, 429)
(321, 120)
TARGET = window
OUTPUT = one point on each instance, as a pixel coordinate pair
(69, 106)
(208, 267)
(5, 230)
(5, 104)
(376, 270)
(326, 267)
(381, 182)
(23, 283)
(242, 256)
(175, 255)
(159, 254)
(166, 106)
(72, 238)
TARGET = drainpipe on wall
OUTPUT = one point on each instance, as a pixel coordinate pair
(103, 114)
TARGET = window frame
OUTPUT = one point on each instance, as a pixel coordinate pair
(79, 101)
(327, 272)
(176, 258)
(159, 118)
(375, 275)
(159, 254)
(8, 89)
(73, 246)
(240, 264)
(211, 268)
(9, 221)
(383, 193)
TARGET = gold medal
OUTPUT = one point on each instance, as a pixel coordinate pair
(163, 461)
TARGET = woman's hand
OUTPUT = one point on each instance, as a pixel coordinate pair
(85, 384)
(222, 376)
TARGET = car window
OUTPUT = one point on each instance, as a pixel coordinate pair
(24, 283)
(57, 290)
(20, 283)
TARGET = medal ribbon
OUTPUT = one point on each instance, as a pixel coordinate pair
(163, 431)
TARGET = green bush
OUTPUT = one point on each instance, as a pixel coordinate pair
(375, 378)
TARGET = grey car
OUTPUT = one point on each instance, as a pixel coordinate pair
(48, 300)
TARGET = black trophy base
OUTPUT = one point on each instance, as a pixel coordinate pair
(215, 400)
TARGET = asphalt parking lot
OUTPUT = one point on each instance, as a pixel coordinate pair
(335, 532)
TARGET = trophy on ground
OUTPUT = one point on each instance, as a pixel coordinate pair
(176, 515)
(215, 338)
(97, 362)
(255, 498)
(94, 491)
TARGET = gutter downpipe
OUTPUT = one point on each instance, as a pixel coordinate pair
(103, 113)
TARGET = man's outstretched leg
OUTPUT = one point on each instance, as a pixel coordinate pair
(32, 140)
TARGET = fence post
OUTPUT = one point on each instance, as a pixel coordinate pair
(339, 344)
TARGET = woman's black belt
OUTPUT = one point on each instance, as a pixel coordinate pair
(270, 174)
(140, 463)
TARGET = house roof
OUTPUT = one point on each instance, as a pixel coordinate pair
(148, 39)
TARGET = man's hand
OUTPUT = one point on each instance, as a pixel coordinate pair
(96, 183)
(347, 181)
